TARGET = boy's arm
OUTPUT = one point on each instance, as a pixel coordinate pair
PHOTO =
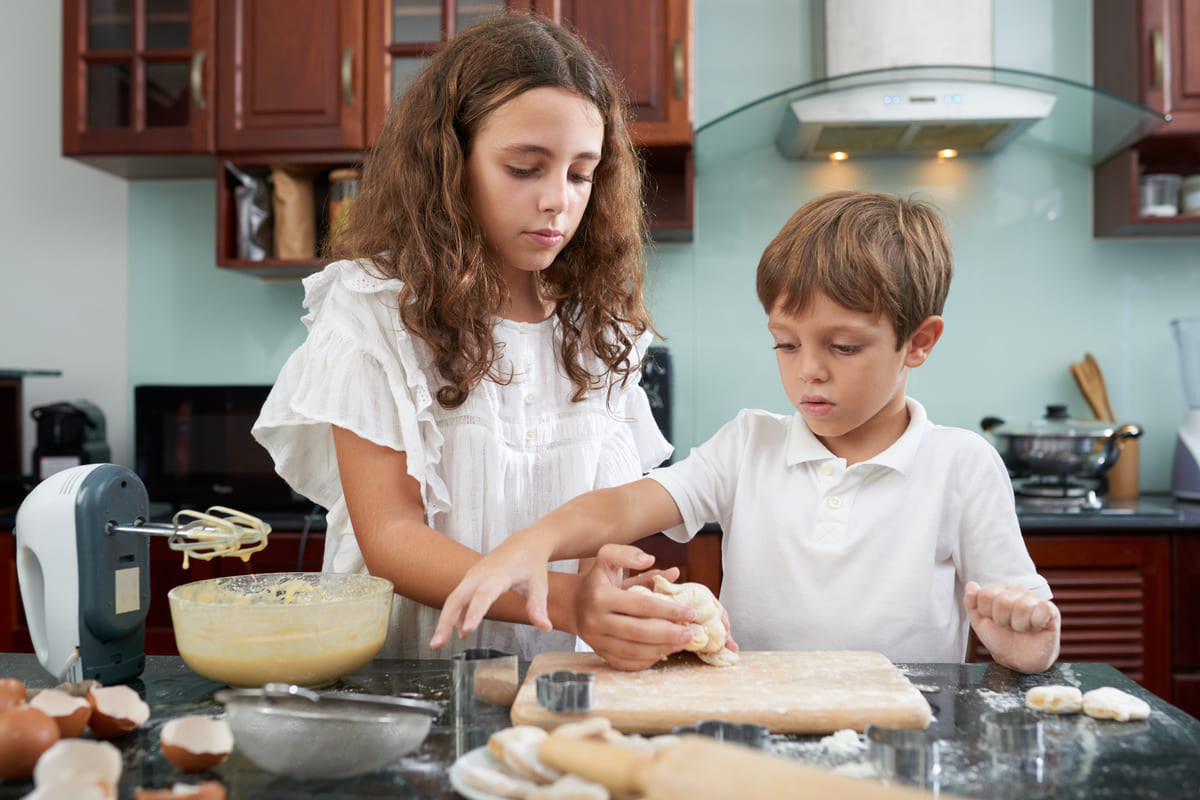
(577, 529)
(1019, 628)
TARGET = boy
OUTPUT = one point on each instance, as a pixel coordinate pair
(855, 523)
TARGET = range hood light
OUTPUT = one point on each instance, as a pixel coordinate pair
(947, 152)
(838, 155)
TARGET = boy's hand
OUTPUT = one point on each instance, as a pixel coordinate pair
(1019, 628)
(630, 631)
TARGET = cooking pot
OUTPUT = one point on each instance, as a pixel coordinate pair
(1058, 445)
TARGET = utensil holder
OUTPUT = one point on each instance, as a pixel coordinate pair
(1123, 475)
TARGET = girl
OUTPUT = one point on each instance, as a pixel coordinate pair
(474, 361)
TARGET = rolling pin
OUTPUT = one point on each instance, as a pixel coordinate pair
(701, 768)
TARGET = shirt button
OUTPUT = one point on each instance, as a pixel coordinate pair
(523, 327)
(527, 363)
(529, 434)
(529, 398)
(835, 502)
(827, 469)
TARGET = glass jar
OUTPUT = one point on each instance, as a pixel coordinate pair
(343, 186)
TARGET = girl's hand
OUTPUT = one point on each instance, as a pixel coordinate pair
(629, 630)
(507, 568)
(1019, 628)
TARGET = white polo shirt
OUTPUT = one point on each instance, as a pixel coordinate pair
(875, 556)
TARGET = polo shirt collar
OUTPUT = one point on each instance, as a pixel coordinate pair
(803, 445)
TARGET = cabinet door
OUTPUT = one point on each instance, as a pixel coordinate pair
(1172, 28)
(1185, 622)
(1152, 56)
(137, 77)
(647, 43)
(1114, 595)
(403, 34)
(290, 76)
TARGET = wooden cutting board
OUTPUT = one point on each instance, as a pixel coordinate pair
(787, 691)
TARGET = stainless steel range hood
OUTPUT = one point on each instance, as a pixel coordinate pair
(912, 78)
(913, 117)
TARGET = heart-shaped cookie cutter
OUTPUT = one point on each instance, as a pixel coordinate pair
(564, 691)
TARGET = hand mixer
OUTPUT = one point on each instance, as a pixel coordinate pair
(83, 558)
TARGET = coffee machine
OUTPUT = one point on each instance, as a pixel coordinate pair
(1185, 472)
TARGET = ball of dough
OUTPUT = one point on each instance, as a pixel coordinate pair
(708, 631)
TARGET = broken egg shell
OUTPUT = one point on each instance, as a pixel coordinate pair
(12, 692)
(25, 733)
(208, 790)
(195, 743)
(116, 710)
(78, 689)
(76, 787)
(71, 713)
(78, 764)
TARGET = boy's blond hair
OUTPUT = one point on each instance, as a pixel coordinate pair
(868, 251)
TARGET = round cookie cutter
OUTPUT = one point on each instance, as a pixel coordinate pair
(904, 756)
(1015, 743)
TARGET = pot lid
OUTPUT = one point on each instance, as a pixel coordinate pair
(1056, 422)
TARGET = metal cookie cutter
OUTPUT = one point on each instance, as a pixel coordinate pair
(747, 733)
(565, 691)
(904, 756)
(1015, 743)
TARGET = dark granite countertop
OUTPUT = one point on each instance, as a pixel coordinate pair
(1084, 758)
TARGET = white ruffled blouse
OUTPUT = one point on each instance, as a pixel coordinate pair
(508, 455)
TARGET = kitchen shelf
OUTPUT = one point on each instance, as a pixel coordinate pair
(1086, 124)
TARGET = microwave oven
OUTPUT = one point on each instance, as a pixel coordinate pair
(194, 450)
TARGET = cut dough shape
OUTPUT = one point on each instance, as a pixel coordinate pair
(517, 748)
(1055, 699)
(708, 632)
(569, 787)
(1108, 702)
(498, 782)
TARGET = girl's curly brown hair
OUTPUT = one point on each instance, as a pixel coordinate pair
(413, 220)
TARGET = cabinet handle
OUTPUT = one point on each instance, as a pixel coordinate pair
(198, 79)
(1158, 54)
(677, 48)
(348, 76)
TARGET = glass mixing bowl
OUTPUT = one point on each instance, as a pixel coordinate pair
(303, 628)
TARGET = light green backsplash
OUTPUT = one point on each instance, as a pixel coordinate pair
(1033, 290)
(191, 322)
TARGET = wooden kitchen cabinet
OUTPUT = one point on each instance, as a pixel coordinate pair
(1114, 595)
(1152, 57)
(1185, 623)
(138, 85)
(290, 75)
(649, 44)
(177, 88)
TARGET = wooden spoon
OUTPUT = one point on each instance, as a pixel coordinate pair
(1087, 387)
(1110, 415)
